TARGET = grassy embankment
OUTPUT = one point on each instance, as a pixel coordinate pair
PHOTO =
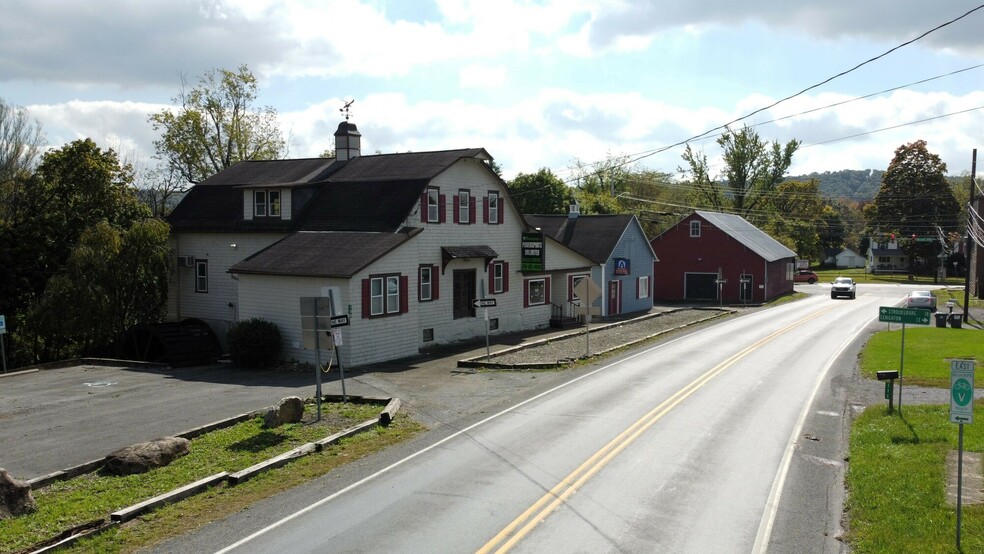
(66, 504)
(897, 474)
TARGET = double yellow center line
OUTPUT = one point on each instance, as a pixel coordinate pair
(520, 527)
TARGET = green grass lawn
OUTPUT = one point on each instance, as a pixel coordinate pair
(859, 275)
(896, 476)
(928, 351)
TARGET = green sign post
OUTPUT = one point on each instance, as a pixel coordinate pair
(916, 316)
(961, 411)
(892, 314)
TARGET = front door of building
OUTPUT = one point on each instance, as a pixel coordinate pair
(614, 297)
(464, 293)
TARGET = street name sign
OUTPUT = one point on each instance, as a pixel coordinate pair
(339, 320)
(483, 302)
(961, 391)
(3, 324)
(903, 315)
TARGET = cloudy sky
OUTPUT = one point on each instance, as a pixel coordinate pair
(536, 83)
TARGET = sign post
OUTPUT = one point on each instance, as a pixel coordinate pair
(3, 350)
(588, 292)
(892, 314)
(485, 303)
(961, 411)
(337, 321)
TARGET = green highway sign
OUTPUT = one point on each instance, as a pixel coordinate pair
(961, 391)
(903, 315)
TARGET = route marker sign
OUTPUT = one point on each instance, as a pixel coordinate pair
(961, 391)
(917, 316)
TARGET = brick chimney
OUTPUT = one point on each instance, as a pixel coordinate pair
(348, 142)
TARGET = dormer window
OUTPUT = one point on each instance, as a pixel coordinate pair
(266, 203)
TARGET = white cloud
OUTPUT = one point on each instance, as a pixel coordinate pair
(479, 76)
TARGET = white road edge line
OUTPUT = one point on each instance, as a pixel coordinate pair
(772, 504)
(453, 436)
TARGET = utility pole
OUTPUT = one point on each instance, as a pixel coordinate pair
(970, 240)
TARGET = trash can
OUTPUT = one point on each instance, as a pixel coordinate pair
(955, 321)
(940, 319)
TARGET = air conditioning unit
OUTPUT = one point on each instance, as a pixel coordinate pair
(186, 261)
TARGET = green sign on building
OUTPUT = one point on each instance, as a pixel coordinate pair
(532, 258)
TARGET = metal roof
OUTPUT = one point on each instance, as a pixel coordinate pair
(748, 235)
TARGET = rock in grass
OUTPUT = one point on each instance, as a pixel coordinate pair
(144, 456)
(290, 410)
(15, 496)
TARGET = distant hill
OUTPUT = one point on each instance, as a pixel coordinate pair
(853, 184)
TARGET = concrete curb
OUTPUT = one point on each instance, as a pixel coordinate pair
(482, 361)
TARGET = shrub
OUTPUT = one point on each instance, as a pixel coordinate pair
(254, 343)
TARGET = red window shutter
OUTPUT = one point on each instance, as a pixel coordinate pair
(366, 310)
(423, 207)
(485, 210)
(546, 290)
(471, 210)
(441, 215)
(505, 276)
(435, 283)
(526, 293)
(502, 208)
(420, 285)
(455, 209)
(570, 288)
(404, 291)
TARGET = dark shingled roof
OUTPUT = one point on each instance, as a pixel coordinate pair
(405, 166)
(592, 236)
(367, 193)
(323, 253)
(367, 206)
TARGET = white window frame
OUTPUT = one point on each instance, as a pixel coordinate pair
(695, 228)
(498, 277)
(377, 302)
(392, 294)
(464, 199)
(433, 205)
(493, 208)
(542, 285)
(259, 203)
(426, 283)
(201, 276)
(644, 286)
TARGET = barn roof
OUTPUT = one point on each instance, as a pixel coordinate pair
(748, 235)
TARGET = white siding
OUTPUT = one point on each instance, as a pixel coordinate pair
(247, 204)
(219, 306)
(285, 204)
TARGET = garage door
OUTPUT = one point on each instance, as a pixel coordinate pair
(700, 286)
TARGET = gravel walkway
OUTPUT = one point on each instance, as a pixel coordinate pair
(604, 337)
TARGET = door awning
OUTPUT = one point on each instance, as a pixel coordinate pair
(483, 251)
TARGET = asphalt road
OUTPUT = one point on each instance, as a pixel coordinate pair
(730, 438)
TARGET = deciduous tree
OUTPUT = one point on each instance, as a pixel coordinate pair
(216, 125)
(539, 193)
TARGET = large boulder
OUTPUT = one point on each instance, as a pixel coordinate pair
(290, 410)
(142, 457)
(15, 496)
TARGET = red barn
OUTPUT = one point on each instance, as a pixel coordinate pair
(720, 257)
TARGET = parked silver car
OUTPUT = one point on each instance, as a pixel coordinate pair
(843, 286)
(921, 299)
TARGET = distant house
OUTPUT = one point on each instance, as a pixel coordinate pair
(848, 259)
(885, 256)
(400, 245)
(712, 256)
(620, 257)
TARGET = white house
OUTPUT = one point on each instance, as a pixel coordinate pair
(401, 244)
